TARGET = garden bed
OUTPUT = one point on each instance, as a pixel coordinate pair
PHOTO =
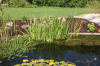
(16, 27)
(84, 25)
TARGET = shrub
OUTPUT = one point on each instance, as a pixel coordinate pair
(61, 3)
(94, 6)
(58, 3)
(17, 3)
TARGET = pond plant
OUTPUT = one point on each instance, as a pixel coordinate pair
(52, 29)
(12, 46)
(2, 22)
(3, 26)
(43, 62)
(43, 29)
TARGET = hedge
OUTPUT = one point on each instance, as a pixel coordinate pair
(60, 3)
(56, 3)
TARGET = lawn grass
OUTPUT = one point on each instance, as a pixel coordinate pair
(19, 13)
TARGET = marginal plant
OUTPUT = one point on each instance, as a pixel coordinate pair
(2, 22)
(51, 29)
(17, 3)
(13, 47)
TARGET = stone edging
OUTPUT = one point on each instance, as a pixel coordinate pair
(87, 33)
(92, 17)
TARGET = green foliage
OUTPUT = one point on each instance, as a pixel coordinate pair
(58, 3)
(12, 46)
(61, 3)
(91, 27)
(17, 3)
(50, 29)
(94, 6)
(2, 22)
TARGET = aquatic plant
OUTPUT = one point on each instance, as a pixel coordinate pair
(51, 29)
(13, 46)
(43, 62)
(3, 20)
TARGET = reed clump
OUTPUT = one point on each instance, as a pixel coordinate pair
(51, 29)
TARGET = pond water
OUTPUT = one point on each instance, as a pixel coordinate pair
(80, 55)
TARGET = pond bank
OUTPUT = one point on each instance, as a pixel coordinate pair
(85, 40)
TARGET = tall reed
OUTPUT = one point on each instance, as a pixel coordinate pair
(2, 22)
(51, 29)
(12, 46)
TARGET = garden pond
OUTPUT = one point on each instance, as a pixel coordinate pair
(80, 55)
(57, 45)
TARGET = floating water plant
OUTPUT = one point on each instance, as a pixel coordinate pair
(43, 62)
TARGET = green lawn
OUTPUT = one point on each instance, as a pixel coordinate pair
(18, 13)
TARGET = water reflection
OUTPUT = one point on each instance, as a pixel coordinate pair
(50, 51)
(54, 49)
(5, 62)
(81, 55)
